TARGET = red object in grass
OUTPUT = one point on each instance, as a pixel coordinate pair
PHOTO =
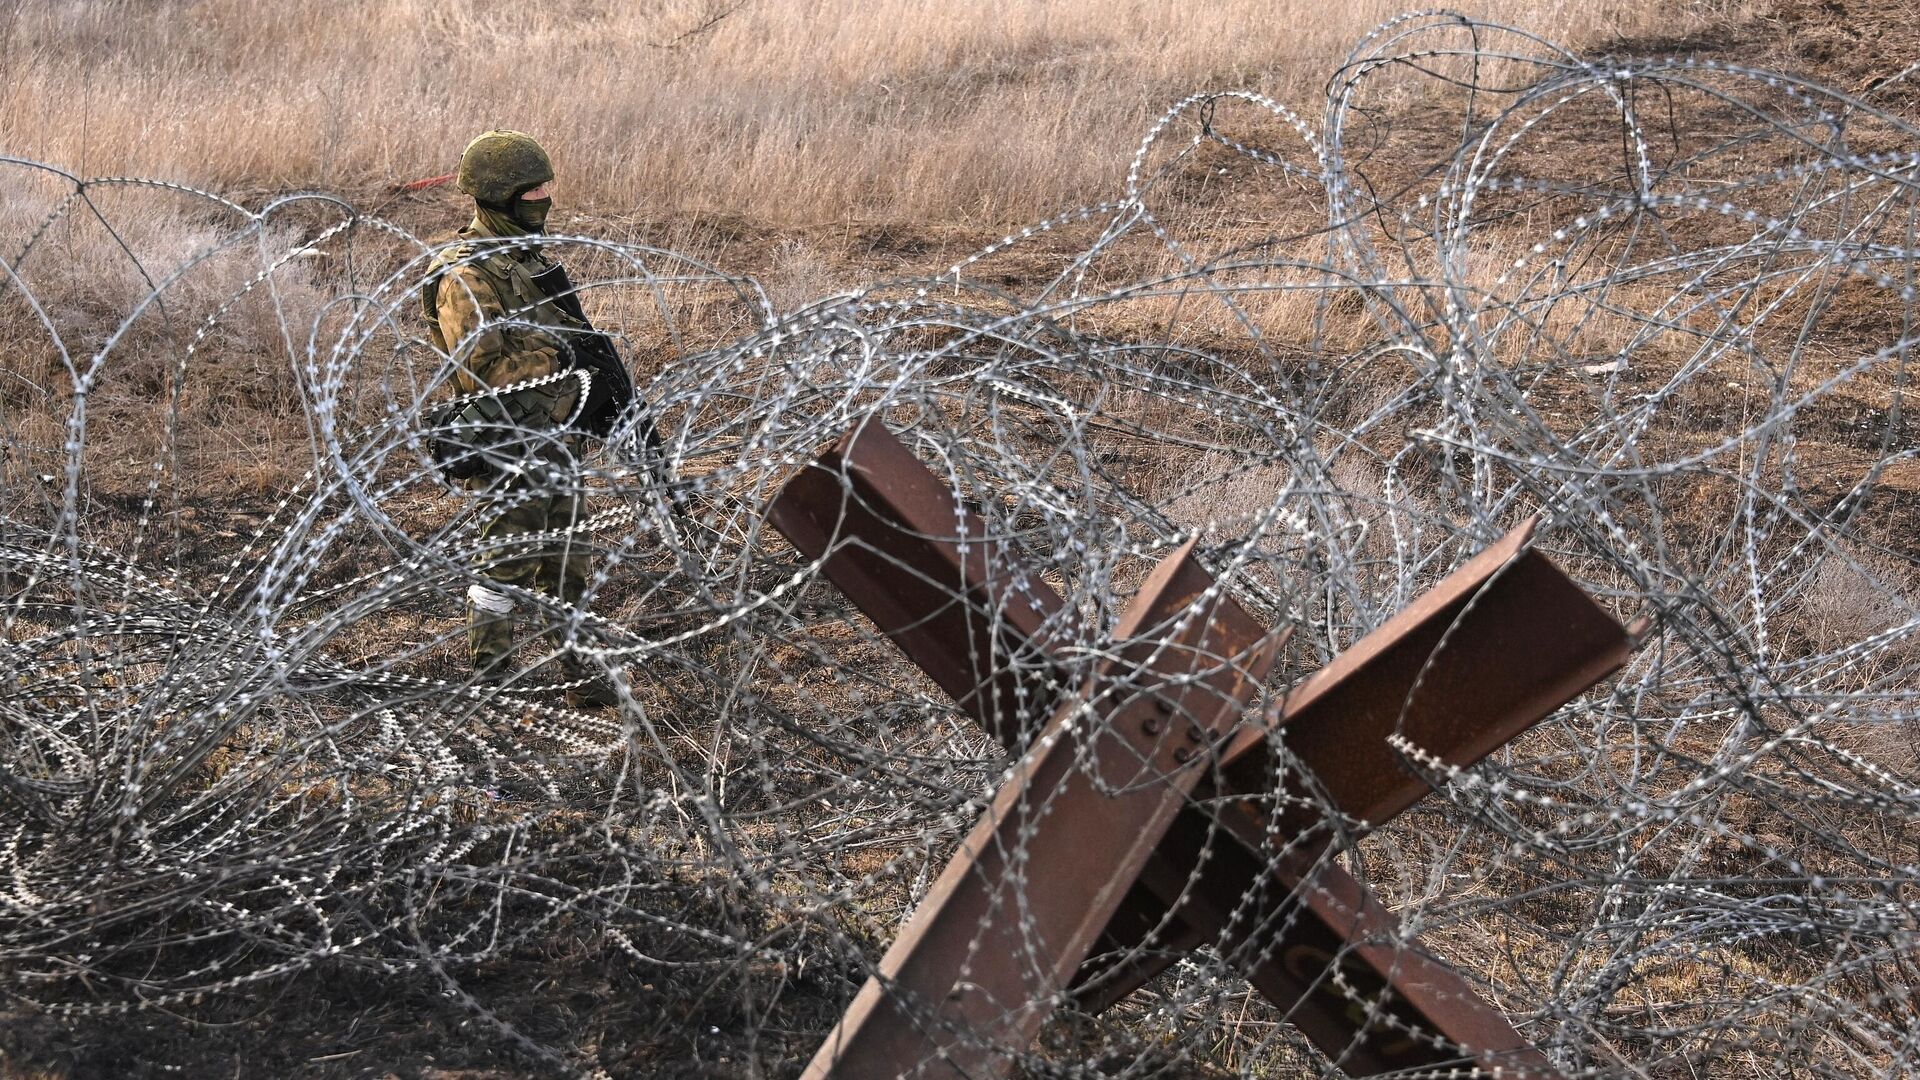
(422, 185)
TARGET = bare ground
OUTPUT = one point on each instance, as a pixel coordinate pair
(339, 1021)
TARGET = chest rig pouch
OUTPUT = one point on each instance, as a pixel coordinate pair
(493, 432)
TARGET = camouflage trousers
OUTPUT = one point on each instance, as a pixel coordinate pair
(513, 553)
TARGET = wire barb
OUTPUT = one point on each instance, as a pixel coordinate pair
(241, 750)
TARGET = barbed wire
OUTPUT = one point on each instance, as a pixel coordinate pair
(1663, 303)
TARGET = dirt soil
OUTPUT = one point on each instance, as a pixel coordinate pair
(340, 1021)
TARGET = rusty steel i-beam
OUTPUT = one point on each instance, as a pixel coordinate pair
(1496, 646)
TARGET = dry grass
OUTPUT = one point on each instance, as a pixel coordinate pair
(753, 132)
(790, 115)
(893, 109)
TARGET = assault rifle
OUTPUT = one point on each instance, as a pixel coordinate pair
(611, 391)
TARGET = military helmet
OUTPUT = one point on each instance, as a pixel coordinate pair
(499, 166)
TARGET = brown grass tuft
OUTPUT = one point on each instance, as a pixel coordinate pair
(898, 109)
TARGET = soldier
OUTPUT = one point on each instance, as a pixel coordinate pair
(491, 306)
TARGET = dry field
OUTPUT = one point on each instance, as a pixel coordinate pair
(813, 147)
(786, 113)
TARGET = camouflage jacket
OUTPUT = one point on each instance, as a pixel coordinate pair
(471, 298)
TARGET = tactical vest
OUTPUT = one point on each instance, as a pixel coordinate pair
(512, 282)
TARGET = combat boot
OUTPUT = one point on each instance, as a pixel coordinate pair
(595, 690)
(490, 634)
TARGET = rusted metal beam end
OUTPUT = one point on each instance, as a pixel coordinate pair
(1349, 958)
(982, 962)
(1487, 653)
(1340, 968)
(1323, 951)
(897, 541)
(1496, 646)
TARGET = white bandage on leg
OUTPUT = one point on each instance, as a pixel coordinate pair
(493, 603)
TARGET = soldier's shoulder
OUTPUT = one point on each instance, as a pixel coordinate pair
(451, 252)
(469, 263)
(472, 258)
